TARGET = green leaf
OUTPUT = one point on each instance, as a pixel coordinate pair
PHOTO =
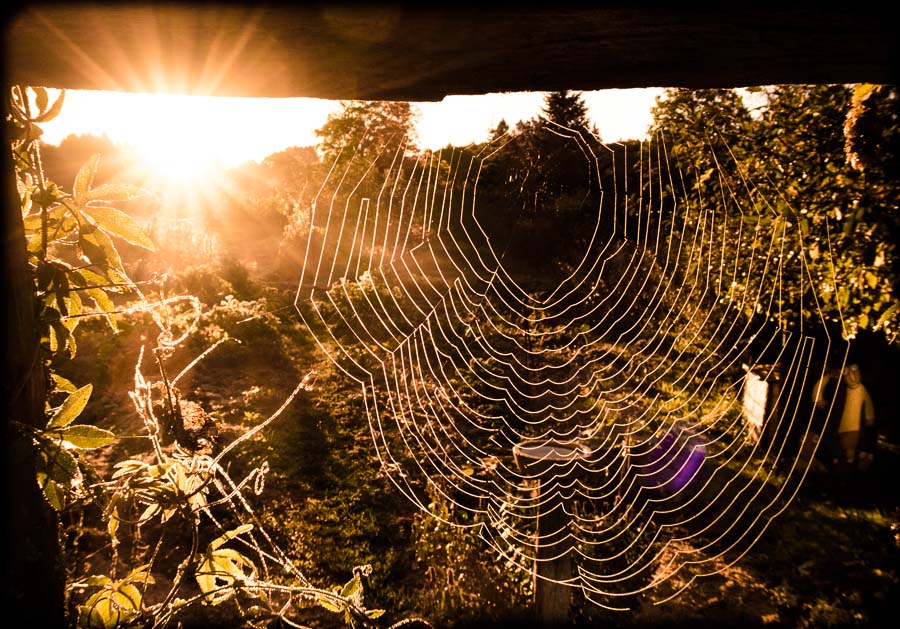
(871, 279)
(206, 581)
(88, 437)
(863, 320)
(115, 192)
(87, 277)
(55, 464)
(73, 304)
(101, 251)
(374, 613)
(53, 112)
(861, 91)
(327, 603)
(229, 535)
(104, 304)
(71, 408)
(54, 494)
(118, 223)
(125, 468)
(62, 384)
(98, 580)
(101, 299)
(112, 524)
(32, 222)
(149, 512)
(350, 588)
(141, 573)
(41, 98)
(229, 562)
(888, 314)
(131, 594)
(35, 241)
(85, 179)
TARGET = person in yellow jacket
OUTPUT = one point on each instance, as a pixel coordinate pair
(857, 419)
(849, 435)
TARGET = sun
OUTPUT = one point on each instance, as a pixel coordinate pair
(176, 141)
(177, 158)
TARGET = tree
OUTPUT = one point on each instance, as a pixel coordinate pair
(566, 109)
(782, 176)
(538, 190)
(500, 130)
(61, 163)
(367, 132)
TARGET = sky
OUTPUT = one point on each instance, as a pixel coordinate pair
(232, 131)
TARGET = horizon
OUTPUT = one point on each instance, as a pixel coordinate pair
(153, 122)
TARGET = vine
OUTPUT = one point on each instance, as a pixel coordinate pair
(180, 483)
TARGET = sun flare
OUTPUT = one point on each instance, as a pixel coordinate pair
(176, 142)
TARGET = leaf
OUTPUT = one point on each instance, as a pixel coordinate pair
(888, 314)
(115, 192)
(54, 494)
(54, 110)
(85, 179)
(98, 580)
(112, 524)
(131, 594)
(861, 91)
(35, 241)
(871, 279)
(59, 465)
(98, 612)
(88, 437)
(118, 223)
(206, 581)
(350, 588)
(227, 561)
(213, 545)
(104, 304)
(62, 384)
(101, 251)
(221, 567)
(73, 304)
(41, 98)
(149, 512)
(374, 613)
(88, 277)
(71, 408)
(326, 602)
(863, 320)
(141, 573)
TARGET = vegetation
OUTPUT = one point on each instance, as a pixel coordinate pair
(171, 513)
(238, 480)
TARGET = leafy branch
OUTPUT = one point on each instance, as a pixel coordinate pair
(72, 253)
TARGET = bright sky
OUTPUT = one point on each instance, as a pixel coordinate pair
(235, 130)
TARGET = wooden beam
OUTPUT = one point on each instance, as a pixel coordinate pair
(401, 53)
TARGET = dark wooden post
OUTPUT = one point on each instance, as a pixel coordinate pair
(34, 578)
(553, 558)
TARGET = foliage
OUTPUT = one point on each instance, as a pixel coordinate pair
(367, 132)
(175, 491)
(781, 174)
(539, 188)
(73, 258)
(462, 586)
(196, 546)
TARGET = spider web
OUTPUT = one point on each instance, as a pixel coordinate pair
(589, 426)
